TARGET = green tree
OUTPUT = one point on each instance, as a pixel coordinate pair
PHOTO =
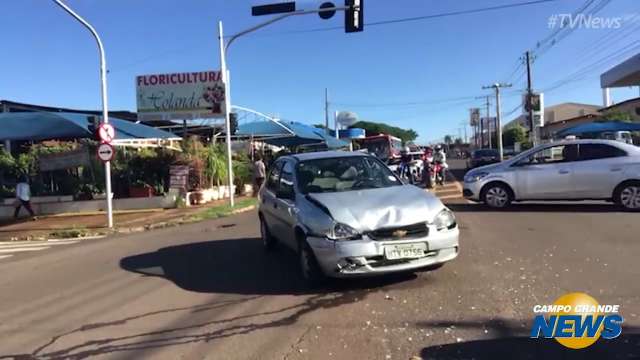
(514, 134)
(616, 115)
(448, 139)
(373, 128)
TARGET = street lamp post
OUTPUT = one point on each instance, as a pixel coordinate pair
(103, 90)
(226, 80)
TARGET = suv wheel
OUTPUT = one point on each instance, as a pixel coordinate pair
(268, 241)
(496, 196)
(628, 196)
(309, 267)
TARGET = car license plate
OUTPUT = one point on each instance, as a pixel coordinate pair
(405, 251)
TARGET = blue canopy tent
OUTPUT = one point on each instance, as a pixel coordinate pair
(38, 126)
(599, 127)
(289, 133)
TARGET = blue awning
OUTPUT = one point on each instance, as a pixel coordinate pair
(289, 133)
(598, 127)
(38, 126)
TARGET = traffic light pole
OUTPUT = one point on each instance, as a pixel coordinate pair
(105, 111)
(224, 48)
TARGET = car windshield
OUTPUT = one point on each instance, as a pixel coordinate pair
(344, 174)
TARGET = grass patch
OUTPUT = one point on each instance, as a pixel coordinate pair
(222, 210)
(75, 232)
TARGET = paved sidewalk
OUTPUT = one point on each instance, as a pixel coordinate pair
(83, 224)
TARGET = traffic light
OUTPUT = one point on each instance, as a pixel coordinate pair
(353, 16)
(93, 123)
(233, 123)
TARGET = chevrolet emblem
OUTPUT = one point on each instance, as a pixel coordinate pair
(399, 233)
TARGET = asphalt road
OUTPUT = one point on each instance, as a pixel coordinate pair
(208, 291)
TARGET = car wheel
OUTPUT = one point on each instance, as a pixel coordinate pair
(309, 267)
(496, 196)
(268, 241)
(628, 196)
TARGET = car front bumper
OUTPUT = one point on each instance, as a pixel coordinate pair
(365, 257)
(472, 190)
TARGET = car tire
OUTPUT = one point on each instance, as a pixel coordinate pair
(627, 195)
(309, 268)
(496, 195)
(268, 241)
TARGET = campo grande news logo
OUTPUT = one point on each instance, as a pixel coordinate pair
(576, 320)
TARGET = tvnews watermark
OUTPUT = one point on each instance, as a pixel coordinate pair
(582, 21)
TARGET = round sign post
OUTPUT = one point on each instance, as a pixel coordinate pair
(106, 133)
(105, 152)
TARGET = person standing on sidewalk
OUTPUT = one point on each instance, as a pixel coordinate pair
(259, 173)
(23, 197)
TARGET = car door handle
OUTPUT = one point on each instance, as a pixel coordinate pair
(616, 169)
(563, 172)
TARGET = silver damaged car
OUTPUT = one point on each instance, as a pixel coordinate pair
(346, 214)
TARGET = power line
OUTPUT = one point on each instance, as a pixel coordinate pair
(579, 74)
(419, 18)
(402, 104)
(563, 30)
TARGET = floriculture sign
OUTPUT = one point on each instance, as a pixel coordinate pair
(191, 95)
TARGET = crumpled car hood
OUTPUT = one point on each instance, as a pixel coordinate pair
(371, 209)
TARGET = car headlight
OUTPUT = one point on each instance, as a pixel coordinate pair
(343, 232)
(473, 177)
(445, 220)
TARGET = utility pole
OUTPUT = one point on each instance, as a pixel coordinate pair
(497, 87)
(533, 133)
(326, 110)
(487, 104)
(464, 126)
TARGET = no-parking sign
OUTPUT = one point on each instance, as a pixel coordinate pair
(107, 133)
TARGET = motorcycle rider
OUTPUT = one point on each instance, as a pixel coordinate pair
(427, 161)
(441, 158)
(405, 164)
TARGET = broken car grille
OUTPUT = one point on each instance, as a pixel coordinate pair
(400, 233)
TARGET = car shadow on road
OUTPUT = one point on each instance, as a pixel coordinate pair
(539, 207)
(510, 340)
(238, 266)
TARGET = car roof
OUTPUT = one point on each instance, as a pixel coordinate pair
(632, 148)
(326, 155)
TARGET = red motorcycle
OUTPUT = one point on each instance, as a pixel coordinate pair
(437, 173)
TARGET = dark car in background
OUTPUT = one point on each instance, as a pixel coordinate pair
(483, 157)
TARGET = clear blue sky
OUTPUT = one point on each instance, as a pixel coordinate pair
(48, 58)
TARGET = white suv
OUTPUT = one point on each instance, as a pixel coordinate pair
(566, 170)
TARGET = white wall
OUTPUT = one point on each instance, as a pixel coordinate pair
(60, 207)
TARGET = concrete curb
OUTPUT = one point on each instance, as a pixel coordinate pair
(126, 230)
(175, 222)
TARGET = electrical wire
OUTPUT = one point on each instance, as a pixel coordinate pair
(580, 74)
(417, 18)
(562, 31)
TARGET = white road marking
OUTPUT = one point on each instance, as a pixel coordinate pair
(5, 256)
(12, 250)
(36, 244)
